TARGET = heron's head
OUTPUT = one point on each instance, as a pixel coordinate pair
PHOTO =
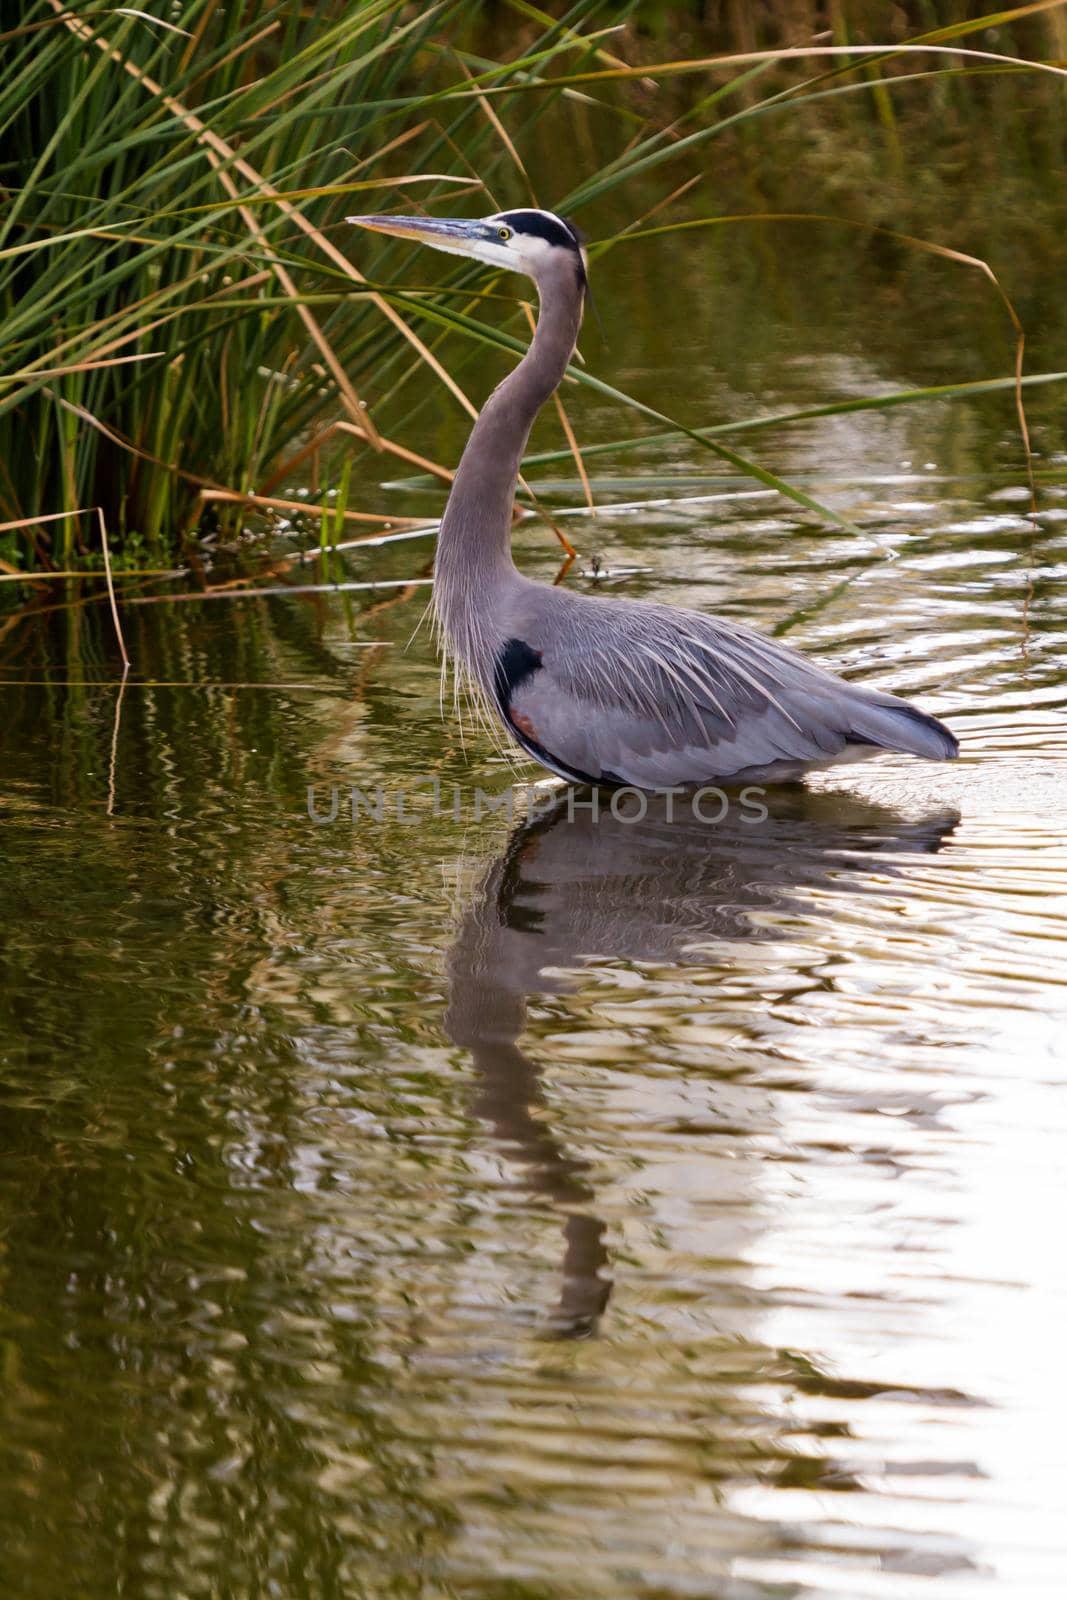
(538, 243)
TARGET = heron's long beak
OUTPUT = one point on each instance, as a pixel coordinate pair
(456, 234)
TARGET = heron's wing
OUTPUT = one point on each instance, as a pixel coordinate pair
(658, 697)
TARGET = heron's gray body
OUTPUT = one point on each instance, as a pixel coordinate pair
(623, 692)
(609, 691)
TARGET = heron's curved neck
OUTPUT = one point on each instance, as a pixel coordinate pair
(474, 544)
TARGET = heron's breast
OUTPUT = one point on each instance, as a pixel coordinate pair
(515, 665)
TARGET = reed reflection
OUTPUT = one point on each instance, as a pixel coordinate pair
(571, 887)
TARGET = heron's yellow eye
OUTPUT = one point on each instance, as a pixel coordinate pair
(503, 233)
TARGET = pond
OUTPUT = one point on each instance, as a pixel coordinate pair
(435, 1204)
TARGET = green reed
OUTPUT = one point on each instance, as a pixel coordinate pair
(179, 308)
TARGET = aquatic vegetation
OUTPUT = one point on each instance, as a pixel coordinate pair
(184, 321)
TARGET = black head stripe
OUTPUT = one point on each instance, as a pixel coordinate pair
(542, 225)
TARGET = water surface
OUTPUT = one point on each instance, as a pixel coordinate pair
(653, 1209)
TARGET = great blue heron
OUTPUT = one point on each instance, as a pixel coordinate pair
(616, 692)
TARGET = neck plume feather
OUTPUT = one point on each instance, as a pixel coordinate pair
(474, 542)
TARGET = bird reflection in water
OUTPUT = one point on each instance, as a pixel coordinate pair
(571, 886)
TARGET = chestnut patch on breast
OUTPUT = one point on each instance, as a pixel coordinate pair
(516, 663)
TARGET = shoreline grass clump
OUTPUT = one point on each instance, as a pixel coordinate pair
(180, 323)
(174, 313)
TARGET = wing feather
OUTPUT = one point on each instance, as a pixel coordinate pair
(660, 697)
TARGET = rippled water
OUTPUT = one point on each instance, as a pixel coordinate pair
(591, 1208)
